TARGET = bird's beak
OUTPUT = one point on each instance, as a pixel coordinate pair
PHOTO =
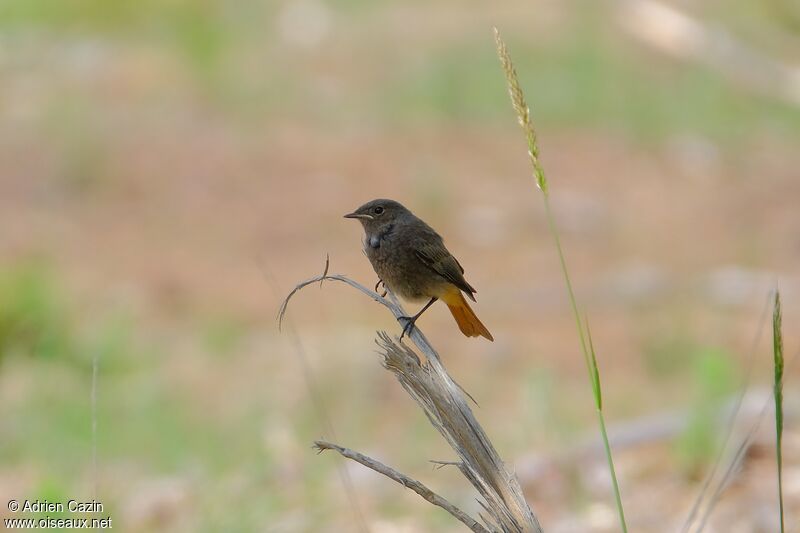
(358, 215)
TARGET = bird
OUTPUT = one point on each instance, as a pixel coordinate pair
(411, 260)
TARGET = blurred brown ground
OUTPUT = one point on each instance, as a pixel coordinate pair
(149, 190)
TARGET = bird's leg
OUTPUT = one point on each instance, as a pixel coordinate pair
(413, 319)
(380, 282)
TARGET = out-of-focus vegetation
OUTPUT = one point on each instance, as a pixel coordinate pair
(585, 74)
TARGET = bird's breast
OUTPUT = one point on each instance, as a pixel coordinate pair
(397, 264)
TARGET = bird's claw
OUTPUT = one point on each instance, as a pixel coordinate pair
(380, 282)
(407, 326)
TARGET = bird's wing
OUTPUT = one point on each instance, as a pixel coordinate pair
(436, 257)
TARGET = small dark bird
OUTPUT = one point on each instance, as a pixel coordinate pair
(410, 259)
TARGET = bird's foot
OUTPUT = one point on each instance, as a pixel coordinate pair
(410, 321)
(380, 282)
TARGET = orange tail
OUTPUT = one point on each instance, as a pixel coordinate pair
(465, 317)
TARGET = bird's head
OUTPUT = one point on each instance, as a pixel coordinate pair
(378, 214)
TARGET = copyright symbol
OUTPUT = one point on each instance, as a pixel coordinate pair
(13, 506)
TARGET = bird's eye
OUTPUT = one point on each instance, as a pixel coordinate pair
(378, 210)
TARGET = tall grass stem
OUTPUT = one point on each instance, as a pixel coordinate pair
(777, 352)
(93, 401)
(524, 118)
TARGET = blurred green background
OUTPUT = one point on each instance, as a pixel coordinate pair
(171, 168)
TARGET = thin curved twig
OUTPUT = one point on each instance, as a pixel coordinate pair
(325, 272)
(390, 302)
(335, 277)
(404, 480)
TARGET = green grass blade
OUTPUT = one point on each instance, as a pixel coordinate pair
(598, 395)
(524, 118)
(777, 351)
(598, 398)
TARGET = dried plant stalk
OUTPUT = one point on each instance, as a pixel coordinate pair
(445, 404)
